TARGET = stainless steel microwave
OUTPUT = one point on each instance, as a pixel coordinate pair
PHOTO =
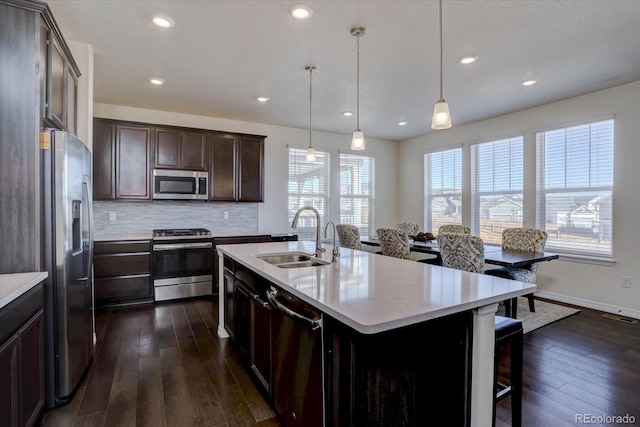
(180, 185)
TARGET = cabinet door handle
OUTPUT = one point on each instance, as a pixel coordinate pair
(260, 301)
(272, 297)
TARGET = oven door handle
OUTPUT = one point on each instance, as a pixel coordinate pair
(174, 246)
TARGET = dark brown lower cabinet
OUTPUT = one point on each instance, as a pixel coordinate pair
(22, 361)
(261, 341)
(122, 272)
(413, 376)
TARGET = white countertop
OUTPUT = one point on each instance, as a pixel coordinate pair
(374, 293)
(14, 285)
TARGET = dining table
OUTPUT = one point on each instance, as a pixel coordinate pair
(493, 254)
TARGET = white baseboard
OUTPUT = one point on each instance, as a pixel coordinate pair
(589, 304)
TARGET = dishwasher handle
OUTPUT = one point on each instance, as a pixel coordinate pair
(272, 295)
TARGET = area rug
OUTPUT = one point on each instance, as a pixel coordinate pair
(546, 313)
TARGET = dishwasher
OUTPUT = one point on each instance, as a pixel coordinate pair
(297, 360)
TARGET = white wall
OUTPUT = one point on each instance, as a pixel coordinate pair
(273, 212)
(586, 284)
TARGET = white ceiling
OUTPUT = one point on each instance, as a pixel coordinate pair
(222, 54)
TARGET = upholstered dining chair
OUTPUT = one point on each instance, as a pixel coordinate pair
(349, 236)
(454, 228)
(461, 251)
(521, 240)
(394, 242)
(466, 252)
(411, 228)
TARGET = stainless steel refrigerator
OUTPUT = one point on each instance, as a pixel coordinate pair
(68, 257)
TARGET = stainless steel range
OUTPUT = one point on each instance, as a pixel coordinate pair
(182, 263)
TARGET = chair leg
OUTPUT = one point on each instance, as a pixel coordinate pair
(516, 381)
(514, 308)
(532, 307)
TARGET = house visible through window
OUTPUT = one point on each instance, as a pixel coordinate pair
(496, 187)
(442, 188)
(357, 192)
(308, 186)
(575, 184)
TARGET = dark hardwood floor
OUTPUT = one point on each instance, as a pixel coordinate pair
(164, 365)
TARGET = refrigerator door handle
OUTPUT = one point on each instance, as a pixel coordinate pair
(87, 196)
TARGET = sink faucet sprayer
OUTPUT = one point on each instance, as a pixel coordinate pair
(294, 224)
(336, 248)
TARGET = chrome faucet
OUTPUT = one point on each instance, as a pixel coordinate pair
(294, 224)
(336, 249)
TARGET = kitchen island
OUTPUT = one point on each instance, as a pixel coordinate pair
(400, 340)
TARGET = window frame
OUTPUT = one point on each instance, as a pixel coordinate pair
(573, 249)
(428, 193)
(344, 157)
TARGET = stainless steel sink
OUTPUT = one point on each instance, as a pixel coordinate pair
(292, 260)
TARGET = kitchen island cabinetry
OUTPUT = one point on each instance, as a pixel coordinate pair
(122, 272)
(22, 357)
(283, 353)
(122, 156)
(180, 149)
(400, 340)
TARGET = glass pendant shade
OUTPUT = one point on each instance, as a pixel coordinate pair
(357, 142)
(441, 118)
(311, 155)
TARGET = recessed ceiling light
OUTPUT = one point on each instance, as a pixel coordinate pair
(402, 123)
(529, 82)
(300, 11)
(263, 98)
(347, 113)
(155, 81)
(468, 59)
(162, 21)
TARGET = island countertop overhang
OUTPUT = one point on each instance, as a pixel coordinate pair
(373, 293)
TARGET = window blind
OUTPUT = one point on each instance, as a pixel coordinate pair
(496, 187)
(574, 187)
(308, 186)
(442, 188)
(357, 192)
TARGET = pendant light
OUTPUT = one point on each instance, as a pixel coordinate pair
(441, 117)
(357, 142)
(311, 153)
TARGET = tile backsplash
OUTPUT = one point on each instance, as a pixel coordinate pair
(232, 218)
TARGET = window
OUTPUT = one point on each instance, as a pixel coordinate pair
(357, 192)
(308, 186)
(496, 187)
(442, 188)
(575, 183)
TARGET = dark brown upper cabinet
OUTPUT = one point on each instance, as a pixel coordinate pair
(121, 160)
(222, 168)
(180, 149)
(251, 169)
(61, 84)
(125, 154)
(236, 168)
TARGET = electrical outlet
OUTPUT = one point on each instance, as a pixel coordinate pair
(112, 216)
(225, 215)
(625, 281)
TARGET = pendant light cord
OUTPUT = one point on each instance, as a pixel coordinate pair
(310, 98)
(358, 83)
(440, 8)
